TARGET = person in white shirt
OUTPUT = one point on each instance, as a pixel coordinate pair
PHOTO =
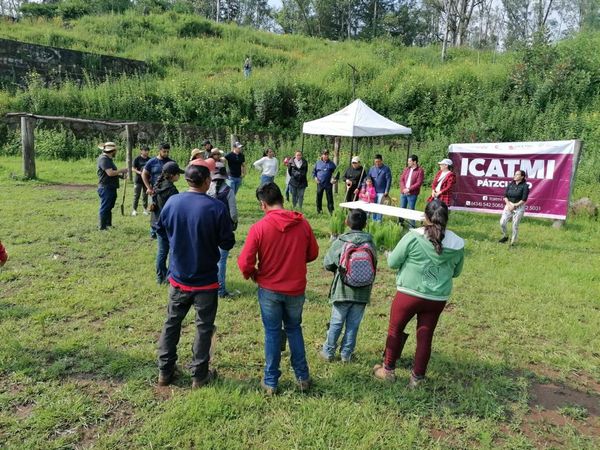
(268, 165)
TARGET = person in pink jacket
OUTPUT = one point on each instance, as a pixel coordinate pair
(367, 191)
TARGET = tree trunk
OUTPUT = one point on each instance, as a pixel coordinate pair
(27, 139)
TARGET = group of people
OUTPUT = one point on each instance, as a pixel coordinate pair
(195, 230)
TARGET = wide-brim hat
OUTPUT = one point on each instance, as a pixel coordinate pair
(195, 152)
(108, 147)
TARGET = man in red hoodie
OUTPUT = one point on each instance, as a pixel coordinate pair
(283, 242)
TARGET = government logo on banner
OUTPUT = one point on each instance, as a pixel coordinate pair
(484, 170)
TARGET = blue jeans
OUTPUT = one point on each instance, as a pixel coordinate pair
(222, 270)
(161, 259)
(274, 309)
(378, 217)
(264, 179)
(351, 314)
(235, 183)
(108, 198)
(409, 200)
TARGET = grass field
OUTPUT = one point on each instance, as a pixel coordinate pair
(515, 362)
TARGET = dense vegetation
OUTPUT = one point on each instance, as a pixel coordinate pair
(544, 92)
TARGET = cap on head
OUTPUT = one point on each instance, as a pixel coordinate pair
(208, 163)
(447, 162)
(172, 168)
(220, 172)
(206, 142)
(237, 145)
(108, 147)
(355, 159)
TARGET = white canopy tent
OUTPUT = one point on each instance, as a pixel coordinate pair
(355, 120)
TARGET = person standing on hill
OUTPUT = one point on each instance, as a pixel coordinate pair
(138, 166)
(268, 166)
(410, 184)
(354, 178)
(247, 67)
(382, 181)
(443, 183)
(108, 183)
(427, 259)
(323, 173)
(298, 170)
(196, 226)
(284, 243)
(237, 166)
(152, 171)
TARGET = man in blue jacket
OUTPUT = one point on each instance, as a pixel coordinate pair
(195, 225)
(323, 175)
(382, 181)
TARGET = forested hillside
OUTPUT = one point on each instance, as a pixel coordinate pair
(541, 92)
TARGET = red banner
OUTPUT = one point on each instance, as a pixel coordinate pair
(484, 170)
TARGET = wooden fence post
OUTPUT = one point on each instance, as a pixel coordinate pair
(27, 139)
(128, 157)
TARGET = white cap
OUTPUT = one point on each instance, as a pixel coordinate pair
(447, 162)
(355, 159)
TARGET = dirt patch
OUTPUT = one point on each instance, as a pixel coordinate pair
(554, 407)
(22, 412)
(69, 187)
(584, 381)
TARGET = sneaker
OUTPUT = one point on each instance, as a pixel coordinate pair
(382, 373)
(503, 239)
(146, 213)
(324, 356)
(268, 390)
(346, 359)
(199, 382)
(415, 381)
(304, 385)
(134, 213)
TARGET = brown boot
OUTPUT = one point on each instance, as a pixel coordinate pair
(199, 382)
(381, 373)
(304, 385)
(166, 378)
(268, 390)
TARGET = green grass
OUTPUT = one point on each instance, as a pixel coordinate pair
(80, 316)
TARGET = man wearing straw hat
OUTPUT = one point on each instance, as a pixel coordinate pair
(108, 183)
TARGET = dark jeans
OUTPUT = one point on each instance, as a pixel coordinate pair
(162, 253)
(329, 193)
(297, 196)
(404, 308)
(108, 198)
(350, 196)
(137, 190)
(205, 303)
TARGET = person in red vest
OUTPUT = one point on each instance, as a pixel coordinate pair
(443, 183)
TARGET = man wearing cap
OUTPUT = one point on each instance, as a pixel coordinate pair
(323, 175)
(237, 166)
(443, 182)
(108, 183)
(196, 226)
(382, 181)
(220, 190)
(354, 177)
(410, 184)
(138, 166)
(152, 171)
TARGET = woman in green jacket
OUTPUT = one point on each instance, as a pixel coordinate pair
(427, 259)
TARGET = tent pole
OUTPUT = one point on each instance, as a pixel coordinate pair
(408, 147)
(302, 146)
